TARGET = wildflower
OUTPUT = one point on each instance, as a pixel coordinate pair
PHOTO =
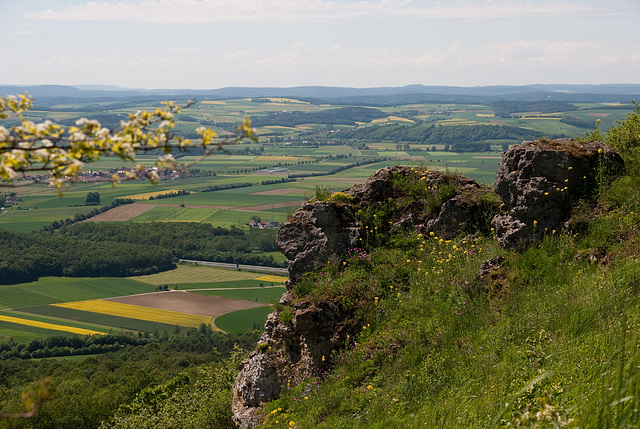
(599, 150)
(369, 387)
(570, 168)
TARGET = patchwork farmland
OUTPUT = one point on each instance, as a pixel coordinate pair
(267, 180)
(198, 295)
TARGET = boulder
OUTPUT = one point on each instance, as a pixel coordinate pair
(538, 181)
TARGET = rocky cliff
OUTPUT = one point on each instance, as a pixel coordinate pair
(537, 181)
(299, 336)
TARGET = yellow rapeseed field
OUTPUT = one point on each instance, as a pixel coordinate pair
(286, 100)
(51, 326)
(146, 196)
(137, 312)
(272, 278)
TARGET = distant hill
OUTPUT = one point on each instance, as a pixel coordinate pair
(52, 94)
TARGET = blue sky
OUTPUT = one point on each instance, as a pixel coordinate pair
(207, 44)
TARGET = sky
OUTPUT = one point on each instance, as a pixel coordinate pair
(210, 44)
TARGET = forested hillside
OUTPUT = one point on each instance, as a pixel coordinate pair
(90, 249)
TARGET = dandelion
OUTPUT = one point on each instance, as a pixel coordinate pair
(599, 150)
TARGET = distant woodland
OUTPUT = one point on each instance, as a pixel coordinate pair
(457, 138)
(120, 250)
(343, 116)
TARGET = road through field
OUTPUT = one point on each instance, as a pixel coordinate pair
(241, 266)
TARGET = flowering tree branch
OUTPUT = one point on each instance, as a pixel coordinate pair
(62, 154)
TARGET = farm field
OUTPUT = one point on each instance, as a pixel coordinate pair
(88, 306)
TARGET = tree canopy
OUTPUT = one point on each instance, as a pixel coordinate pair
(61, 153)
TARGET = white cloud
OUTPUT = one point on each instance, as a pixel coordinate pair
(298, 53)
(237, 55)
(207, 11)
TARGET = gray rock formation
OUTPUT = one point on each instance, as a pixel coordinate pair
(317, 232)
(287, 352)
(462, 211)
(538, 181)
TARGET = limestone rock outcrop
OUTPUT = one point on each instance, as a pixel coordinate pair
(287, 352)
(539, 180)
(315, 233)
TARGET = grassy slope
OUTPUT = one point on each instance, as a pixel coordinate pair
(550, 339)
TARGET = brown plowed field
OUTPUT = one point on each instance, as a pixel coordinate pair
(122, 213)
(190, 303)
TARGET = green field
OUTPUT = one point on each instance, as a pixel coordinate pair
(196, 274)
(268, 295)
(106, 321)
(231, 284)
(24, 333)
(244, 320)
(57, 320)
(51, 290)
